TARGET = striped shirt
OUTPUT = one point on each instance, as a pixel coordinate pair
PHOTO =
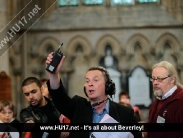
(169, 93)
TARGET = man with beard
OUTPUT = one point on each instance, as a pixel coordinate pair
(167, 107)
(40, 110)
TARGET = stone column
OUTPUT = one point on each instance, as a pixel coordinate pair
(4, 57)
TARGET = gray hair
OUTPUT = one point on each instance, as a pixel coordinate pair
(171, 71)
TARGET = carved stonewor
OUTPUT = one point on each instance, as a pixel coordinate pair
(5, 86)
(139, 87)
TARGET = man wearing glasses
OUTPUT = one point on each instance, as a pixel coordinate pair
(168, 105)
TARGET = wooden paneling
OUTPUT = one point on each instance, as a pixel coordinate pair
(5, 86)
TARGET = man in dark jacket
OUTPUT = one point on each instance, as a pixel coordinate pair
(98, 86)
(40, 110)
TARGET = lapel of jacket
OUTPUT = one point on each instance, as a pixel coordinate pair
(113, 111)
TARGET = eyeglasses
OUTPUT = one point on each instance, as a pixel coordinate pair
(158, 79)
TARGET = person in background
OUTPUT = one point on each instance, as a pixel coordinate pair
(167, 107)
(7, 111)
(46, 93)
(15, 122)
(124, 98)
(44, 87)
(40, 110)
(27, 135)
(97, 87)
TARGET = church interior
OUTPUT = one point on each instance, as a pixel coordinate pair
(127, 37)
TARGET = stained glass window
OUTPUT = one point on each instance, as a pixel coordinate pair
(122, 2)
(68, 2)
(100, 2)
(145, 1)
(93, 2)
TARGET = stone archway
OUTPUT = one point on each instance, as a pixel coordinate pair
(78, 54)
(168, 48)
(138, 52)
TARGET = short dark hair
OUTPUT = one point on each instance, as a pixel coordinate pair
(30, 80)
(124, 93)
(43, 80)
(103, 70)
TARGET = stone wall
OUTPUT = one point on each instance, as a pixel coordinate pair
(4, 66)
(139, 35)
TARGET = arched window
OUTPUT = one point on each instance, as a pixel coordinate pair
(79, 49)
(93, 2)
(102, 2)
(49, 48)
(146, 1)
(122, 2)
(68, 2)
(167, 45)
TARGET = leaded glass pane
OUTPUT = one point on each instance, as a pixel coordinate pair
(145, 1)
(122, 2)
(68, 2)
(93, 2)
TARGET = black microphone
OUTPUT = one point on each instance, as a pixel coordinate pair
(99, 103)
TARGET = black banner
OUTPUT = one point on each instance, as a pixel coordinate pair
(99, 127)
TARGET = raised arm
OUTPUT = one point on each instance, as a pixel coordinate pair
(54, 77)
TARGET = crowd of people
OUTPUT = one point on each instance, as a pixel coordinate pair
(49, 103)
